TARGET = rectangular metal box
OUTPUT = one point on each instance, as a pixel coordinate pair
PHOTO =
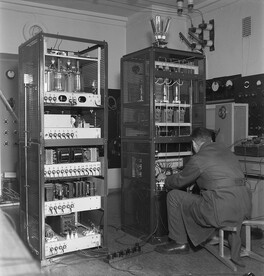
(230, 120)
(56, 86)
(162, 100)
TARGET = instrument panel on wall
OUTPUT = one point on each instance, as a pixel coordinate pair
(222, 89)
(250, 89)
(238, 89)
(8, 126)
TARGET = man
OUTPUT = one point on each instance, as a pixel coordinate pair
(224, 200)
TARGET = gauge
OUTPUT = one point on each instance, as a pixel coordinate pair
(215, 86)
(10, 74)
(229, 84)
(222, 112)
(246, 84)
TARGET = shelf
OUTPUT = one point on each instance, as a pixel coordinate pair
(72, 170)
(157, 104)
(177, 75)
(72, 105)
(136, 104)
(71, 57)
(173, 154)
(74, 142)
(173, 139)
(179, 105)
(63, 245)
(163, 64)
(168, 124)
(71, 205)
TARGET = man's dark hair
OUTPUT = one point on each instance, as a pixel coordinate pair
(202, 134)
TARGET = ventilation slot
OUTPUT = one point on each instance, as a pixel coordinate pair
(246, 26)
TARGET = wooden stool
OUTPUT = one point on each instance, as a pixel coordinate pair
(247, 250)
(220, 254)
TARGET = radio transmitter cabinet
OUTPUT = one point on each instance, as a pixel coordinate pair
(162, 100)
(63, 144)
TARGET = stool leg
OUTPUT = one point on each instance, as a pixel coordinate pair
(234, 241)
(248, 237)
(221, 243)
(247, 251)
(220, 254)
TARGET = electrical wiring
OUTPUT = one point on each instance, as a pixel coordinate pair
(91, 257)
(129, 270)
(117, 239)
(9, 195)
(64, 262)
(122, 243)
(81, 253)
(146, 239)
(116, 228)
(123, 270)
(148, 6)
(99, 250)
(142, 6)
(134, 271)
(157, 81)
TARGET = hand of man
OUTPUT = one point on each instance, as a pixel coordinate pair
(161, 176)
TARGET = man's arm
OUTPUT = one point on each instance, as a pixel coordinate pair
(184, 178)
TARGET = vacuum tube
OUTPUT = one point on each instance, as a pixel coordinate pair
(70, 76)
(59, 78)
(77, 78)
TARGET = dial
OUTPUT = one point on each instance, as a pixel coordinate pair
(10, 74)
(215, 86)
(246, 84)
(229, 84)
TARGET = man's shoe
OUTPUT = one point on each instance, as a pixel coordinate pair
(173, 247)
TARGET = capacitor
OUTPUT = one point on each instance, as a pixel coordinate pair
(49, 80)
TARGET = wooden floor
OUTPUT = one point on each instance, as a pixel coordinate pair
(148, 262)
